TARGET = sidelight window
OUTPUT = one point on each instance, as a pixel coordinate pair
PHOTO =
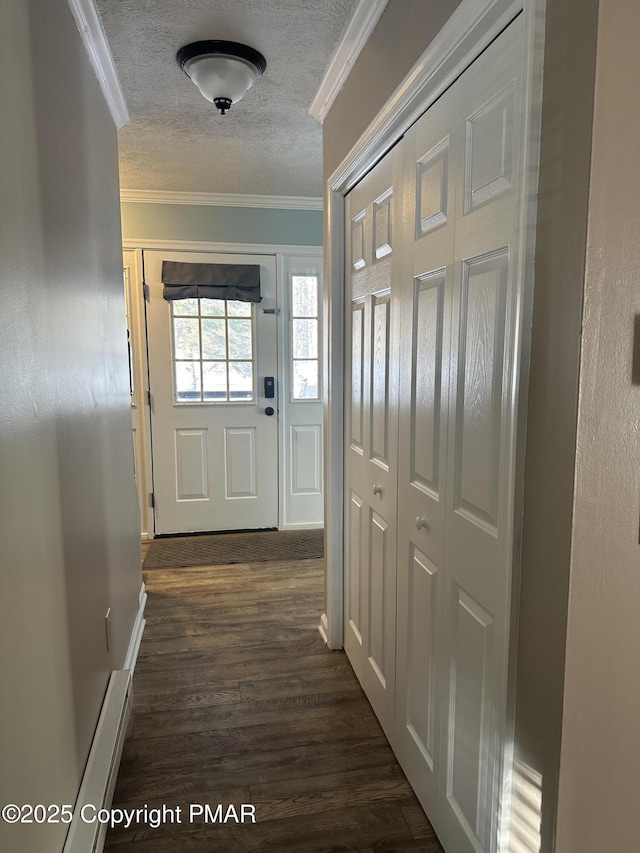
(305, 353)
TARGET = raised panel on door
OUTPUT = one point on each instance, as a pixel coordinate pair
(355, 401)
(192, 464)
(371, 433)
(420, 702)
(380, 367)
(355, 601)
(378, 603)
(479, 399)
(471, 741)
(241, 463)
(306, 454)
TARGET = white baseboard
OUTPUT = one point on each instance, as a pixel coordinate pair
(101, 771)
(323, 628)
(136, 633)
(302, 525)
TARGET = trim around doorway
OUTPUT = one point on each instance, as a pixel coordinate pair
(472, 27)
(287, 258)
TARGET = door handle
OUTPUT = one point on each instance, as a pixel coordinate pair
(377, 490)
(269, 411)
(421, 524)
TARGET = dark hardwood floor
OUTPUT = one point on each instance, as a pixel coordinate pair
(238, 701)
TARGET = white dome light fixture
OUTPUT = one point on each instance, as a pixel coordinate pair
(222, 70)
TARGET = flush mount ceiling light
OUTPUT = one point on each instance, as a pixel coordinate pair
(222, 70)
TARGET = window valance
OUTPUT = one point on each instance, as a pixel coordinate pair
(211, 281)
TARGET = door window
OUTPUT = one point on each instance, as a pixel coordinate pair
(213, 351)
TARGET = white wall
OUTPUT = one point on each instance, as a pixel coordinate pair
(600, 759)
(69, 522)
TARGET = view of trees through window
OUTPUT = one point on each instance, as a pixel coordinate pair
(305, 372)
(213, 350)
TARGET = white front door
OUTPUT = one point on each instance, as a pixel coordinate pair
(214, 432)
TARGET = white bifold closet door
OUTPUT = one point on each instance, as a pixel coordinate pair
(371, 434)
(456, 296)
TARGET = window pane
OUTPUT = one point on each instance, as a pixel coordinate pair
(240, 380)
(304, 296)
(240, 339)
(305, 338)
(212, 307)
(187, 381)
(185, 308)
(239, 309)
(206, 361)
(214, 376)
(214, 343)
(187, 337)
(305, 380)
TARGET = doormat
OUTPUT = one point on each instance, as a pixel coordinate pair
(225, 548)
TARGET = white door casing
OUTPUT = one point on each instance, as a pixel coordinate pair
(215, 464)
(371, 404)
(140, 424)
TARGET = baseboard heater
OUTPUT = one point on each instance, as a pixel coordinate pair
(100, 774)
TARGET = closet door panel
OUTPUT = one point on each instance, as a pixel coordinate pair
(426, 299)
(487, 290)
(459, 293)
(371, 432)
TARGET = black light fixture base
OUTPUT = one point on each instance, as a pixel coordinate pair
(223, 48)
(223, 104)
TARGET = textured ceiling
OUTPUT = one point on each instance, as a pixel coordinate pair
(267, 144)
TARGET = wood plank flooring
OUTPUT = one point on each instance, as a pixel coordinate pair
(237, 700)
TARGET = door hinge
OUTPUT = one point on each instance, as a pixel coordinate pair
(152, 500)
(145, 291)
(149, 397)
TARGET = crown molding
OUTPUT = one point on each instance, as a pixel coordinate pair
(153, 243)
(365, 17)
(97, 47)
(476, 23)
(275, 202)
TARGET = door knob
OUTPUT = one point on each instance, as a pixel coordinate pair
(269, 411)
(377, 490)
(421, 523)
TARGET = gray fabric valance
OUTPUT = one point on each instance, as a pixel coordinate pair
(211, 281)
